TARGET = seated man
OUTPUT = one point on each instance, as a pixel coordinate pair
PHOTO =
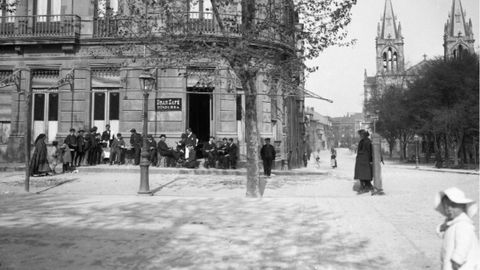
(165, 151)
(210, 153)
(152, 148)
(190, 157)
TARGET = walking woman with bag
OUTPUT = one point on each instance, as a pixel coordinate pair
(39, 164)
(363, 162)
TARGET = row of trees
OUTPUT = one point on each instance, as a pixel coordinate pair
(440, 104)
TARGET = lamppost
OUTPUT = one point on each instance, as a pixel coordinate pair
(417, 140)
(147, 82)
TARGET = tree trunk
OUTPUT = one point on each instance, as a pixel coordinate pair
(446, 144)
(391, 145)
(457, 142)
(251, 137)
(428, 151)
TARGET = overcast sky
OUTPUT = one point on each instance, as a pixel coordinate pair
(340, 76)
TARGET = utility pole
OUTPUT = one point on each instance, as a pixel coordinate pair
(377, 168)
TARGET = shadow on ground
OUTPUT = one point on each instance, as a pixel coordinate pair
(45, 232)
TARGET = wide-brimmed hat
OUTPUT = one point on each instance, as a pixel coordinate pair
(457, 196)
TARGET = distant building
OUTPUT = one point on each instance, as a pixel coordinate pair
(390, 57)
(458, 37)
(319, 132)
(345, 129)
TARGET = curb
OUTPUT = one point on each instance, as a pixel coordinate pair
(195, 171)
(437, 170)
(155, 170)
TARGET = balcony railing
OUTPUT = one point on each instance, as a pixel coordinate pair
(38, 27)
(186, 23)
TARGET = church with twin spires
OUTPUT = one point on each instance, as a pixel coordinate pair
(390, 58)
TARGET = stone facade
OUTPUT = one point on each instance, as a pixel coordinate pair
(319, 130)
(43, 50)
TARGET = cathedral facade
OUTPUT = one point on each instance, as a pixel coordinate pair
(390, 57)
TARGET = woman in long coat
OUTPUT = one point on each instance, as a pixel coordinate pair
(39, 163)
(363, 162)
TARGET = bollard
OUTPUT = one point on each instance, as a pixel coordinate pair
(377, 169)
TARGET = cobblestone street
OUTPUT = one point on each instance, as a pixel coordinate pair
(96, 221)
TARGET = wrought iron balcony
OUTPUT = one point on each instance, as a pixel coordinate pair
(190, 24)
(58, 29)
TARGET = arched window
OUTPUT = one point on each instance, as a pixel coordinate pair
(460, 51)
(384, 62)
(389, 59)
(395, 61)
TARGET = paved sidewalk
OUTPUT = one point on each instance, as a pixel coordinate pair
(92, 220)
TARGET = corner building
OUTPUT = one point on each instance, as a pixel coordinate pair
(45, 43)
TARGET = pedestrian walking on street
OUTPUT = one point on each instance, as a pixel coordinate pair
(333, 158)
(363, 162)
(460, 248)
(267, 154)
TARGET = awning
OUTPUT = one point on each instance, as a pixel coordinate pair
(310, 94)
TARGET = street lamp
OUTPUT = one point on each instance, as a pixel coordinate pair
(147, 82)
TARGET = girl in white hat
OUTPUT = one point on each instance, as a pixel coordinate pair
(460, 248)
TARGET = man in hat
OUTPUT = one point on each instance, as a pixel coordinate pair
(232, 152)
(80, 150)
(71, 142)
(222, 154)
(165, 151)
(267, 154)
(210, 150)
(460, 248)
(152, 149)
(107, 136)
(136, 143)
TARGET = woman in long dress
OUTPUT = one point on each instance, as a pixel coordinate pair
(39, 164)
(363, 162)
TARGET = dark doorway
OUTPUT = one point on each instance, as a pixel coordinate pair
(199, 112)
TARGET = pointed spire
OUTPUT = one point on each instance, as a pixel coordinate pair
(389, 22)
(457, 25)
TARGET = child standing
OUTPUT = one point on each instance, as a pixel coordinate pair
(460, 248)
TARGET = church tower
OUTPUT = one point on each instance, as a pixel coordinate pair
(389, 43)
(458, 36)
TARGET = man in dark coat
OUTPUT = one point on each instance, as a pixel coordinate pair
(222, 154)
(91, 146)
(80, 148)
(136, 143)
(152, 148)
(363, 162)
(210, 152)
(71, 142)
(232, 152)
(165, 151)
(191, 138)
(268, 156)
(107, 136)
